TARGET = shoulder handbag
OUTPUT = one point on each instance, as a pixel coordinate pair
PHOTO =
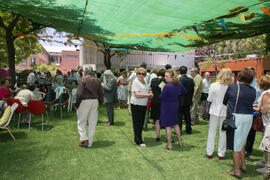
(258, 123)
(229, 123)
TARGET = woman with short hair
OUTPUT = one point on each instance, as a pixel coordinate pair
(239, 99)
(139, 97)
(217, 112)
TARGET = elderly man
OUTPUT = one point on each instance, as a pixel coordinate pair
(204, 107)
(109, 93)
(89, 95)
(196, 96)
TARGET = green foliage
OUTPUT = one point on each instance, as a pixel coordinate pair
(45, 68)
(23, 46)
(239, 48)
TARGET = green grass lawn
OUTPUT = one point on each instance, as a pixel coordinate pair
(55, 154)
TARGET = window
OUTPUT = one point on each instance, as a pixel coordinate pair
(54, 59)
(24, 62)
(70, 56)
(33, 60)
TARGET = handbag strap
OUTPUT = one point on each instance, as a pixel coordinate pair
(238, 91)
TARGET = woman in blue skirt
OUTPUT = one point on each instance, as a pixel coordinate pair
(242, 109)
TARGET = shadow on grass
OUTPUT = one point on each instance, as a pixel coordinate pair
(5, 136)
(119, 123)
(102, 144)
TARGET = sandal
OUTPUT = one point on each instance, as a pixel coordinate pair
(181, 144)
(232, 173)
(166, 147)
(244, 170)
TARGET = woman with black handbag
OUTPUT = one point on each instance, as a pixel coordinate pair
(239, 99)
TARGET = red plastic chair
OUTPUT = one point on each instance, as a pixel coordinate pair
(37, 107)
(20, 108)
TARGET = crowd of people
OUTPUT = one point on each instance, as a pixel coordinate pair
(170, 96)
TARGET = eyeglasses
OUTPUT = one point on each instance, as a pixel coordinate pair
(143, 74)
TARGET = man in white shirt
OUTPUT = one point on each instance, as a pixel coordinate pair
(204, 107)
(206, 85)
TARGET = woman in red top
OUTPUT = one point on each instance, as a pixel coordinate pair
(4, 89)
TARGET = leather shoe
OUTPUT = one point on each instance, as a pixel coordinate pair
(83, 143)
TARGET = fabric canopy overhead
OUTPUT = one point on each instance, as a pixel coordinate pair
(138, 24)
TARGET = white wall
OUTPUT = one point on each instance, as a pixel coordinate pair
(90, 55)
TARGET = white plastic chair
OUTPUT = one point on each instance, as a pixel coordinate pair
(5, 126)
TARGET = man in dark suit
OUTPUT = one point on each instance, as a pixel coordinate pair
(185, 101)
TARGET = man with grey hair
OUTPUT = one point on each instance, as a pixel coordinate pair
(196, 96)
(204, 107)
(110, 88)
(89, 95)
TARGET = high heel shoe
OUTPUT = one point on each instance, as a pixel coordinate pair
(157, 139)
(209, 157)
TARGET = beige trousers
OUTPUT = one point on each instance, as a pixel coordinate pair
(194, 108)
(87, 113)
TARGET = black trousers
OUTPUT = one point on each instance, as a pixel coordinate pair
(250, 139)
(110, 113)
(138, 116)
(185, 111)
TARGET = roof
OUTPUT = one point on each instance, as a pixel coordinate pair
(59, 49)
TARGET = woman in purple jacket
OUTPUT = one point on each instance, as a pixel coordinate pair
(170, 106)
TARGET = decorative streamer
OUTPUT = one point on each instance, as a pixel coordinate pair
(149, 42)
(242, 18)
(160, 38)
(196, 30)
(265, 10)
(223, 23)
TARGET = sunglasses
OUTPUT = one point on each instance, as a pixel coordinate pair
(143, 74)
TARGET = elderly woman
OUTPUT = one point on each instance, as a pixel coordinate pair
(239, 99)
(122, 91)
(264, 107)
(139, 97)
(110, 88)
(170, 106)
(218, 112)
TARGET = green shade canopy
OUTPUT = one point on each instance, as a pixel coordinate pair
(183, 20)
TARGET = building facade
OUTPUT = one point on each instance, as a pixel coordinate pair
(260, 64)
(43, 57)
(65, 58)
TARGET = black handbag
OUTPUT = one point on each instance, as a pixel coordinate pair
(229, 123)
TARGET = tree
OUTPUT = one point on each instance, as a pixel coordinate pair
(45, 68)
(231, 49)
(13, 48)
(108, 54)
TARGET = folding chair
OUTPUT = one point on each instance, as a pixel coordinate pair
(6, 125)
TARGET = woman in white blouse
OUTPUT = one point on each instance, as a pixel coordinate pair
(218, 112)
(139, 97)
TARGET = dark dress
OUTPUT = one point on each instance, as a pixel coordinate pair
(155, 106)
(244, 108)
(170, 104)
